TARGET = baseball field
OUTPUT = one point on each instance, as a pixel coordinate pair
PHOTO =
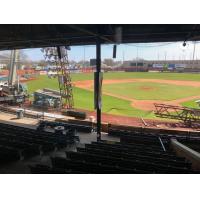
(131, 94)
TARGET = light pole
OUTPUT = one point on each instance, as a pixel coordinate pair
(137, 60)
(84, 56)
(194, 53)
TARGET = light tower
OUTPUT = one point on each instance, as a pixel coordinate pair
(58, 56)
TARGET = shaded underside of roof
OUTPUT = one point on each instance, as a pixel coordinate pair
(33, 36)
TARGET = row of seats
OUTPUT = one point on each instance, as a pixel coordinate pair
(45, 169)
(103, 157)
(8, 154)
(150, 167)
(50, 137)
(77, 162)
(132, 148)
(153, 142)
(142, 131)
(147, 138)
(25, 149)
(18, 142)
(92, 166)
(80, 128)
(134, 155)
(80, 167)
(58, 140)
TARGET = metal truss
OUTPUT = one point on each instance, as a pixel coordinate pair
(188, 115)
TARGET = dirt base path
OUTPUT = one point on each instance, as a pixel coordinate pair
(147, 105)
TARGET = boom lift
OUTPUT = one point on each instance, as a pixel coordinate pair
(13, 92)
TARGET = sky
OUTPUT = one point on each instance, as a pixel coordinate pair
(148, 51)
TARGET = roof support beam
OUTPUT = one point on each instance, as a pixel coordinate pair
(98, 87)
(91, 33)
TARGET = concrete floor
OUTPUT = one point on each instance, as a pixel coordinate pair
(24, 122)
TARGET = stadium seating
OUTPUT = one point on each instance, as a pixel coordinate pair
(45, 169)
(8, 154)
(126, 163)
(135, 153)
(143, 131)
(104, 157)
(80, 128)
(18, 142)
(90, 167)
(131, 156)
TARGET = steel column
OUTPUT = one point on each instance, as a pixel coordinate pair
(98, 70)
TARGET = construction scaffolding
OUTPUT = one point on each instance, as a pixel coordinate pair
(185, 114)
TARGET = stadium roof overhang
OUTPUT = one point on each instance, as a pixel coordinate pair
(33, 36)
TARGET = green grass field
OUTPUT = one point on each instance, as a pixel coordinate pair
(84, 99)
(144, 75)
(191, 104)
(151, 91)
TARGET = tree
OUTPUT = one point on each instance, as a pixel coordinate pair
(84, 63)
(42, 63)
(108, 62)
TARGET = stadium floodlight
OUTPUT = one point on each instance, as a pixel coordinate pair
(54, 54)
(57, 56)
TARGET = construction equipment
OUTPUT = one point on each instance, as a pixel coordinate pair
(47, 98)
(185, 114)
(58, 56)
(13, 92)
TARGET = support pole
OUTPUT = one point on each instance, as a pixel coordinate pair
(12, 72)
(98, 70)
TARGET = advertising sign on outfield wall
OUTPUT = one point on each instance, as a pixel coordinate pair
(157, 65)
(171, 65)
(180, 65)
(43, 72)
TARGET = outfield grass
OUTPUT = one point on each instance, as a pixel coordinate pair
(84, 99)
(144, 75)
(151, 91)
(191, 104)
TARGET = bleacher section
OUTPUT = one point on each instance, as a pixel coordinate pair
(81, 128)
(153, 132)
(134, 154)
(18, 143)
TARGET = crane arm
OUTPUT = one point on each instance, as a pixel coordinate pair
(13, 67)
